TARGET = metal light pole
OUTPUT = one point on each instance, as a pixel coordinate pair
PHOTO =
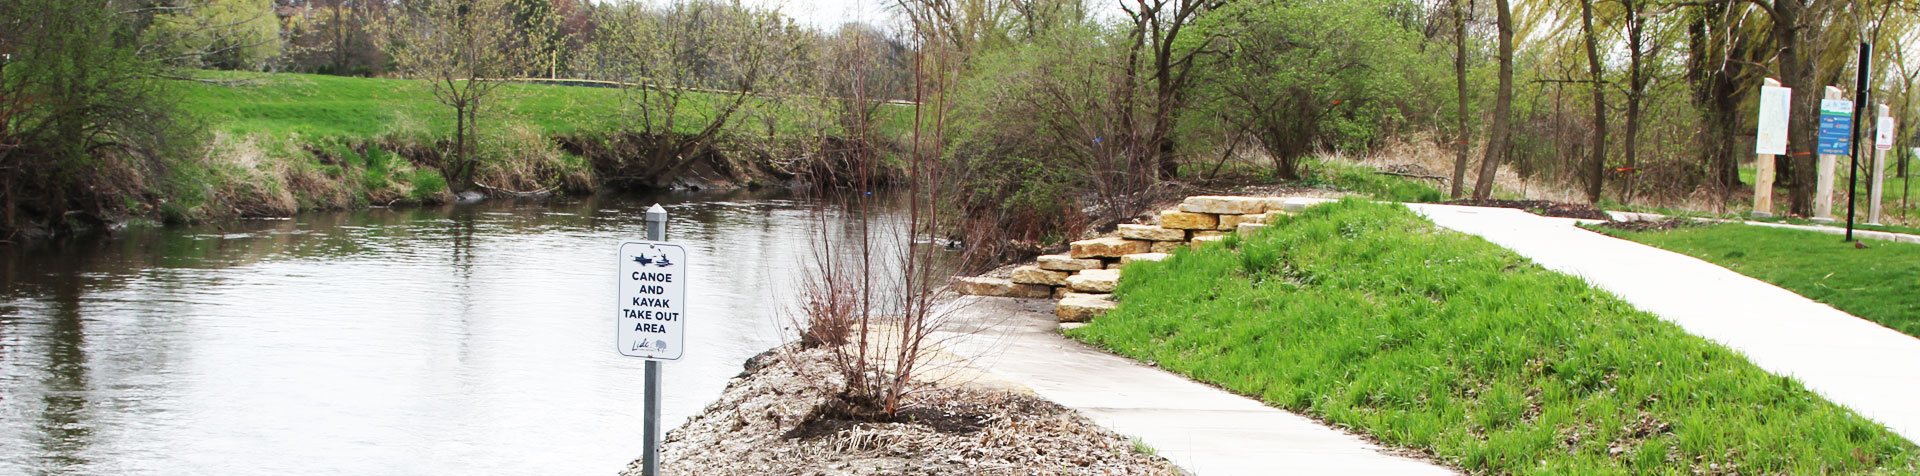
(650, 455)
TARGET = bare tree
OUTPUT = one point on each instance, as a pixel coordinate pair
(1153, 44)
(1462, 141)
(1597, 163)
(689, 68)
(1497, 142)
(464, 50)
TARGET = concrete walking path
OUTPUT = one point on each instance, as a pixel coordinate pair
(1204, 430)
(1851, 361)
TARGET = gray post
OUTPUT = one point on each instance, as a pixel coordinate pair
(650, 455)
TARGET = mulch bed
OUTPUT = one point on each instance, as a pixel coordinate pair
(785, 415)
(1652, 225)
(1541, 207)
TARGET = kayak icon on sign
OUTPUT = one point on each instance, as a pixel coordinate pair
(659, 259)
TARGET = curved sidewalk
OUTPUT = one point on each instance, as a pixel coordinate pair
(1851, 361)
(1204, 430)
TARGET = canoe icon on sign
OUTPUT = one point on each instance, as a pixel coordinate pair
(659, 259)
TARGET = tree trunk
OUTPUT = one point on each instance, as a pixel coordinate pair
(1796, 71)
(1461, 141)
(455, 169)
(1502, 107)
(1597, 164)
(1636, 89)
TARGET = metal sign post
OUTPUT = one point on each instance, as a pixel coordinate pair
(1859, 111)
(650, 322)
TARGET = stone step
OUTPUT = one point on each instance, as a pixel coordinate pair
(1094, 281)
(1109, 247)
(1082, 307)
(1151, 233)
(1034, 275)
(1222, 205)
(999, 287)
(1188, 221)
(1065, 263)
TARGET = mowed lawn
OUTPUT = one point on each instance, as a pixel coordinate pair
(1880, 283)
(313, 106)
(320, 106)
(1372, 318)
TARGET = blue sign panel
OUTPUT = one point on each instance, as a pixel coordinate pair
(1836, 127)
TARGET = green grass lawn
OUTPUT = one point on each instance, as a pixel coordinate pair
(332, 106)
(1374, 319)
(1890, 200)
(319, 106)
(1880, 283)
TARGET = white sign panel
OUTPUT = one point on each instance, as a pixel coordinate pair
(651, 321)
(1772, 134)
(1837, 106)
(1883, 134)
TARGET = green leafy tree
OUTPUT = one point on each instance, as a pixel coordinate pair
(1304, 76)
(222, 34)
(83, 121)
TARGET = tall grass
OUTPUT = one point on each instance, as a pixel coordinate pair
(1372, 318)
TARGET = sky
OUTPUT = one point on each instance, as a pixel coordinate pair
(828, 15)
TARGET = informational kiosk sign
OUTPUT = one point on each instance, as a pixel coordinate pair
(1836, 127)
(651, 321)
(1772, 134)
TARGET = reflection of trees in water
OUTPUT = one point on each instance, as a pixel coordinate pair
(64, 430)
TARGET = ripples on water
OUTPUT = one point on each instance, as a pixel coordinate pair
(468, 340)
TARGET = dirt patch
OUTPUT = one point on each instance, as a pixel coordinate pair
(1652, 225)
(1541, 207)
(783, 417)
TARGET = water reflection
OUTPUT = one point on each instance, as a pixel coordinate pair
(419, 341)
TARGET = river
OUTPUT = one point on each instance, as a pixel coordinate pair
(454, 340)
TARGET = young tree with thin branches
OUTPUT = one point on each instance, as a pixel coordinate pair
(464, 51)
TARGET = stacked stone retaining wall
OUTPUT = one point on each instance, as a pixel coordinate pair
(1083, 279)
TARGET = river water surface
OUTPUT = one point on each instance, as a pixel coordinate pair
(460, 340)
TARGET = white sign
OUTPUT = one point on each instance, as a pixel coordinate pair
(1772, 135)
(1883, 134)
(1837, 106)
(651, 321)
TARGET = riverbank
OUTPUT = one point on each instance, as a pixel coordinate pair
(777, 418)
(276, 144)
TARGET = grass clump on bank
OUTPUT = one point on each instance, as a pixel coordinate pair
(1372, 318)
(1879, 283)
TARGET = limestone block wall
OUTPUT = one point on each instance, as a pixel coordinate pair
(1084, 278)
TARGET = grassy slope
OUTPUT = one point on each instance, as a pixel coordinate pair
(1373, 319)
(334, 106)
(286, 142)
(1880, 283)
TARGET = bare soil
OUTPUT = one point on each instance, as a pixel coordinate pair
(784, 415)
(1541, 207)
(1652, 225)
